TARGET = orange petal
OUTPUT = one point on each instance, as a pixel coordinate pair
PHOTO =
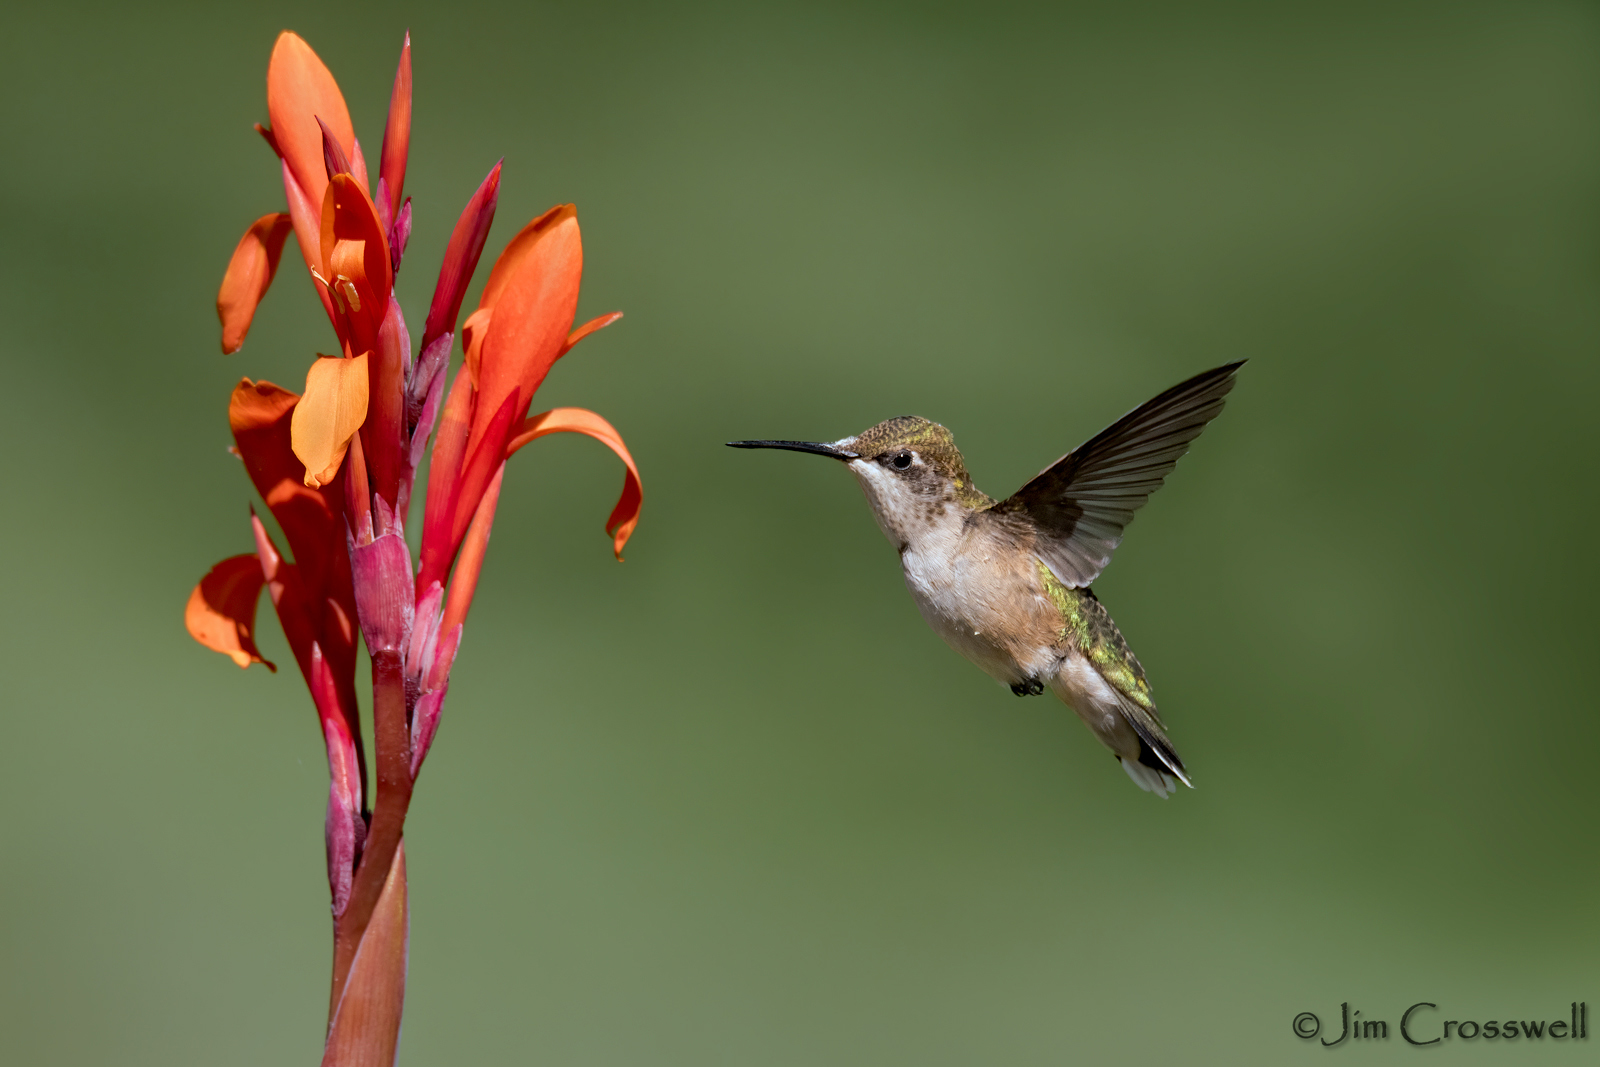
(534, 298)
(250, 272)
(328, 415)
(221, 613)
(257, 404)
(592, 326)
(300, 90)
(625, 516)
(517, 249)
(307, 233)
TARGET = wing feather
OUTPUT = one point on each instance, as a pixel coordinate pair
(1081, 504)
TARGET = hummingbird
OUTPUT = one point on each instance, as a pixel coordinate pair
(1007, 583)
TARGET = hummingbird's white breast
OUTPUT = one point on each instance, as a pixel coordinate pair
(972, 583)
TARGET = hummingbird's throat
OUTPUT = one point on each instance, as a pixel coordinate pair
(910, 510)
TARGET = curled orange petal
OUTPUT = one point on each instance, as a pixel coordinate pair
(625, 516)
(301, 90)
(250, 272)
(329, 413)
(594, 325)
(221, 613)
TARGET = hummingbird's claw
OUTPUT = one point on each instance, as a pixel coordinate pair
(1031, 688)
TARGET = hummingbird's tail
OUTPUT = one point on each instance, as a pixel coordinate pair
(1131, 730)
(1161, 783)
(1158, 769)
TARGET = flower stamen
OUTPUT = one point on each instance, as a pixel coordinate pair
(347, 288)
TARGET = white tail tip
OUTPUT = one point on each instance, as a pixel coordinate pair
(1150, 780)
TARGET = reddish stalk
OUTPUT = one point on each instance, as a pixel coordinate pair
(392, 739)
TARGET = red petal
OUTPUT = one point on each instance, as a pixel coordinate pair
(625, 516)
(294, 607)
(397, 131)
(272, 142)
(384, 427)
(221, 613)
(343, 827)
(355, 260)
(312, 519)
(461, 258)
(300, 90)
(334, 161)
(486, 455)
(444, 475)
(250, 272)
(358, 165)
(464, 580)
(331, 679)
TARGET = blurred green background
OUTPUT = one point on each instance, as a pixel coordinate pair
(732, 802)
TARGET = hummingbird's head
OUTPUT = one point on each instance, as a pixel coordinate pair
(910, 470)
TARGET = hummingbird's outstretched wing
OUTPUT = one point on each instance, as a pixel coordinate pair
(1080, 504)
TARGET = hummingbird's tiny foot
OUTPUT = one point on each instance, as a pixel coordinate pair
(1031, 688)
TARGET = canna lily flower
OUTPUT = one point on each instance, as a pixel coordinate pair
(335, 465)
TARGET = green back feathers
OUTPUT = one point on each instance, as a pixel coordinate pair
(1086, 626)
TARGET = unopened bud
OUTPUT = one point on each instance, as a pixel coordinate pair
(381, 573)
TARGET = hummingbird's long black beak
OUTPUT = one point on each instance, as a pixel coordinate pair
(799, 446)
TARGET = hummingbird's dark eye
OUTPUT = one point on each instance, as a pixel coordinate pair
(901, 461)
